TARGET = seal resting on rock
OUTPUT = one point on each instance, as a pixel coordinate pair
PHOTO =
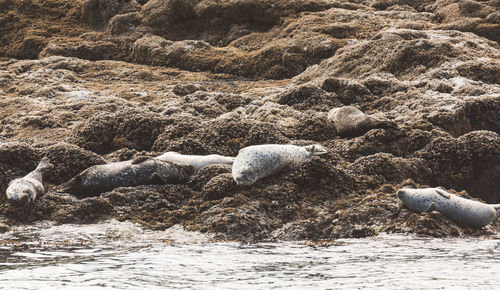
(349, 121)
(25, 190)
(460, 210)
(197, 161)
(139, 171)
(259, 161)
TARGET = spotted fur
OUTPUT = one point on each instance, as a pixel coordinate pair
(259, 161)
(197, 161)
(460, 210)
(140, 171)
(25, 190)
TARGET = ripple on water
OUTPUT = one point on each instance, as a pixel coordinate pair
(123, 255)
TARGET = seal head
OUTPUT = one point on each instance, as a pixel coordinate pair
(23, 191)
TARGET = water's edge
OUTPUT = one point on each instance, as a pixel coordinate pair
(123, 255)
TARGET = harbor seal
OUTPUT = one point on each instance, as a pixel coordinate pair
(139, 171)
(259, 161)
(349, 121)
(23, 191)
(197, 161)
(460, 210)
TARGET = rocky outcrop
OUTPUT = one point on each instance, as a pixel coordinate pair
(90, 82)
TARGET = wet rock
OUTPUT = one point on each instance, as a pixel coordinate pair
(488, 72)
(187, 145)
(312, 229)
(494, 18)
(161, 13)
(124, 23)
(348, 91)
(98, 12)
(186, 89)
(155, 206)
(307, 97)
(178, 129)
(89, 210)
(68, 160)
(218, 187)
(314, 127)
(321, 175)
(107, 132)
(475, 114)
(236, 134)
(200, 178)
(392, 169)
(90, 50)
(4, 228)
(459, 163)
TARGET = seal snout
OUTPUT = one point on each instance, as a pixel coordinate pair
(401, 193)
(23, 199)
(242, 180)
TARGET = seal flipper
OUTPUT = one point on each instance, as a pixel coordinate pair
(443, 193)
(140, 159)
(157, 179)
(69, 185)
(431, 207)
(316, 149)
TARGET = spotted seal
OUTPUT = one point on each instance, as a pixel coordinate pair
(139, 171)
(197, 161)
(460, 210)
(349, 121)
(259, 161)
(25, 190)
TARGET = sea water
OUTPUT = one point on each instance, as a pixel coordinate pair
(122, 255)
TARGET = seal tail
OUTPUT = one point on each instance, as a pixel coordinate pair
(69, 185)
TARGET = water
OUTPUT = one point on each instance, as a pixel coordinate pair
(122, 255)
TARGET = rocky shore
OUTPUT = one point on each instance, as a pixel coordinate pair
(96, 81)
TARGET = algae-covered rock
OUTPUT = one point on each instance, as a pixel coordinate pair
(97, 81)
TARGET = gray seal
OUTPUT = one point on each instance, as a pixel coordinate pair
(259, 161)
(139, 171)
(197, 161)
(349, 121)
(460, 210)
(23, 191)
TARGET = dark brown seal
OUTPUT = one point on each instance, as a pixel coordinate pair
(140, 171)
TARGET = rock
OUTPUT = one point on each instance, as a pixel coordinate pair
(88, 82)
(124, 23)
(307, 97)
(161, 13)
(68, 160)
(218, 187)
(98, 12)
(460, 163)
(348, 91)
(200, 178)
(104, 133)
